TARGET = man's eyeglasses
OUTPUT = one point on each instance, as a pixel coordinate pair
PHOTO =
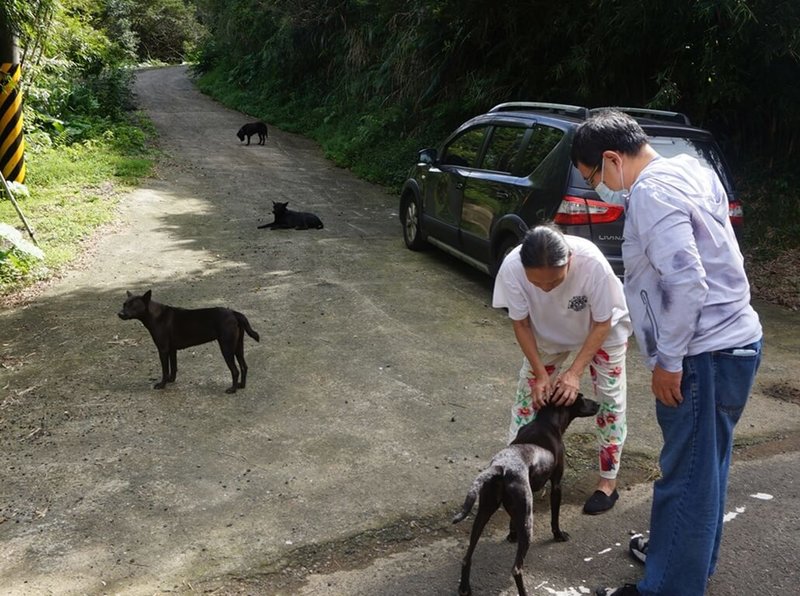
(591, 175)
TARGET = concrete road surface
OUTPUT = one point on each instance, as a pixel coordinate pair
(381, 385)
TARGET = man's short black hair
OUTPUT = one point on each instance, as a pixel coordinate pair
(608, 130)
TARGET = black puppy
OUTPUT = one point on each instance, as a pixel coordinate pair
(248, 130)
(285, 218)
(174, 329)
(535, 456)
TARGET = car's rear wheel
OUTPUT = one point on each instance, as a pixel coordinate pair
(508, 244)
(410, 217)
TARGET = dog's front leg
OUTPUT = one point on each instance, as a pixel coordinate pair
(555, 509)
(163, 355)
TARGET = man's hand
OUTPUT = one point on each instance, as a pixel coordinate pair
(566, 390)
(666, 387)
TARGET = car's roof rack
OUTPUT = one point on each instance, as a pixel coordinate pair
(558, 108)
(654, 114)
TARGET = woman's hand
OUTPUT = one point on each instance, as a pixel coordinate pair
(566, 388)
(541, 388)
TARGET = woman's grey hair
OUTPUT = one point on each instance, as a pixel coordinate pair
(544, 246)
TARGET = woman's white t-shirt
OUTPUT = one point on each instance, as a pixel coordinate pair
(562, 317)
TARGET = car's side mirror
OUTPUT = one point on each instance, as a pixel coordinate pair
(427, 156)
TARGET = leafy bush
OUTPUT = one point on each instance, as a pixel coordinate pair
(73, 189)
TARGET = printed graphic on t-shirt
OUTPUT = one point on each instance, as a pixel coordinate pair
(578, 303)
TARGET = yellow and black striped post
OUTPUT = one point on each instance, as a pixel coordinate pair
(12, 143)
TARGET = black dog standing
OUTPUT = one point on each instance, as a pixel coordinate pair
(248, 130)
(174, 329)
(514, 474)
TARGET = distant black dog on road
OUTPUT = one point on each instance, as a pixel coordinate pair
(535, 456)
(285, 218)
(174, 329)
(248, 130)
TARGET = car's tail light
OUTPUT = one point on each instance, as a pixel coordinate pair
(736, 213)
(575, 211)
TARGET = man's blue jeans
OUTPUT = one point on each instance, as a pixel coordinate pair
(689, 498)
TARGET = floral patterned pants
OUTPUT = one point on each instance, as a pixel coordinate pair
(607, 370)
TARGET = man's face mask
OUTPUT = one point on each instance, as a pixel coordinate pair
(615, 197)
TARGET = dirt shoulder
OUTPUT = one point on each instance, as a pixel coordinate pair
(381, 383)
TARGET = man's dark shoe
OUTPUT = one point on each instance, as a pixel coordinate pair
(600, 502)
(626, 590)
(638, 547)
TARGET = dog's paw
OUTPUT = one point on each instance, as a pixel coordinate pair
(561, 537)
(231, 390)
(160, 385)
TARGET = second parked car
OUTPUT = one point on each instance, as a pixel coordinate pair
(503, 172)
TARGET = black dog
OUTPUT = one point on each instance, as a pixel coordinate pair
(175, 328)
(287, 219)
(535, 456)
(248, 130)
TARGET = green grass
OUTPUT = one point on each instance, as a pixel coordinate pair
(74, 190)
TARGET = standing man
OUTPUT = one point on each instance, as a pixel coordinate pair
(565, 302)
(689, 300)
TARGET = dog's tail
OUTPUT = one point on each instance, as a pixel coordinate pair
(488, 474)
(245, 324)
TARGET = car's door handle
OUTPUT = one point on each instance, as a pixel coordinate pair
(501, 194)
(460, 186)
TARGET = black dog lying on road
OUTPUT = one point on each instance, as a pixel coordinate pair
(248, 130)
(174, 329)
(286, 219)
(535, 456)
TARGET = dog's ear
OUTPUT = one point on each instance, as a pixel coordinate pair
(128, 293)
(146, 295)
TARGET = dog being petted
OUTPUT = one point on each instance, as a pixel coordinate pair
(535, 457)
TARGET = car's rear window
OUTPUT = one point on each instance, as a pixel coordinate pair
(704, 151)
